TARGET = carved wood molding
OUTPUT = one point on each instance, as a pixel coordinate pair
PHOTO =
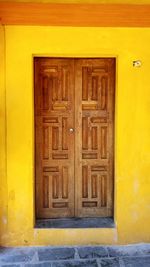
(98, 15)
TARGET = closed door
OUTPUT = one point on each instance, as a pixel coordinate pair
(74, 114)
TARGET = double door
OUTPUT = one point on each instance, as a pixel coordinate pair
(74, 117)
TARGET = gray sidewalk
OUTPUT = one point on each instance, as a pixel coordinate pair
(77, 256)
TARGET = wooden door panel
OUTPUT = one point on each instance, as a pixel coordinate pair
(94, 80)
(54, 116)
(58, 192)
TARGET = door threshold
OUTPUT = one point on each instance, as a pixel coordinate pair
(98, 222)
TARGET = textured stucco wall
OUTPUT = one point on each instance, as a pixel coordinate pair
(132, 131)
(3, 178)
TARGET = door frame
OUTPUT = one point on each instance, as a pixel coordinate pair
(114, 117)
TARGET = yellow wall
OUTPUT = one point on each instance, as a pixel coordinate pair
(132, 135)
(3, 179)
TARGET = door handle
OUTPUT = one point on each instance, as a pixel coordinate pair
(71, 130)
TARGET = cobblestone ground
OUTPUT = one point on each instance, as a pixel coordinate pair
(89, 256)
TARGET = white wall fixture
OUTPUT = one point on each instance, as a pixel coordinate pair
(137, 63)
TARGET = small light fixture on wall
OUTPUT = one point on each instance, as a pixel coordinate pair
(137, 63)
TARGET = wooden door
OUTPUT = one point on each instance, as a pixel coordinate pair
(74, 169)
(54, 155)
(94, 85)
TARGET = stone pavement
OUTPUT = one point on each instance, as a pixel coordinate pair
(77, 256)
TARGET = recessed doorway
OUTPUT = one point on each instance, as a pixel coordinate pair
(74, 137)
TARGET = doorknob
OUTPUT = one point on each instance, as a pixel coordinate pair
(71, 130)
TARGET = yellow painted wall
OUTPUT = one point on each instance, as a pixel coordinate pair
(3, 179)
(132, 131)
